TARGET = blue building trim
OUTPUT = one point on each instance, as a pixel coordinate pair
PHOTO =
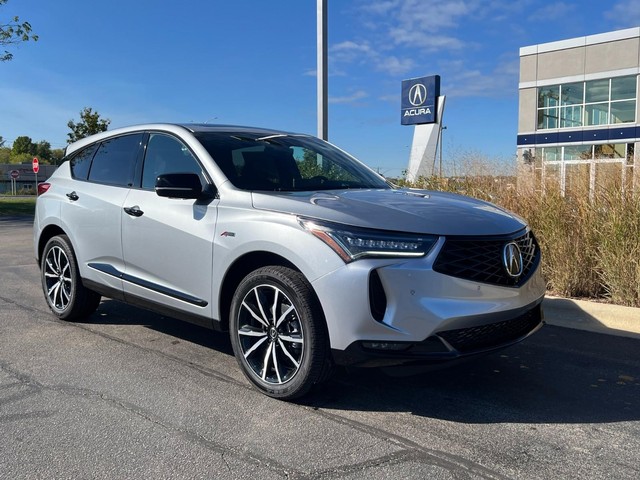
(613, 134)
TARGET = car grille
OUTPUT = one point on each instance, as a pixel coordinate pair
(483, 337)
(480, 258)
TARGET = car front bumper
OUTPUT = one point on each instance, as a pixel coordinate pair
(425, 316)
(444, 346)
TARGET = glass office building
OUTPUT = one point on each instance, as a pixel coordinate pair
(578, 124)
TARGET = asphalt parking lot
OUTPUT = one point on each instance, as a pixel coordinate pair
(132, 394)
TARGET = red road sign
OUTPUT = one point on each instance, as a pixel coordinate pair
(36, 165)
(14, 173)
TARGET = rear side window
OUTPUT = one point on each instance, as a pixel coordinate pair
(115, 160)
(81, 162)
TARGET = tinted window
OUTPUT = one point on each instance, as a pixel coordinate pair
(286, 163)
(81, 162)
(115, 159)
(166, 154)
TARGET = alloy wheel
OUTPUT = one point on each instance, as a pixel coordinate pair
(58, 279)
(270, 334)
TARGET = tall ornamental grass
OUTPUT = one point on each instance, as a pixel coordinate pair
(590, 244)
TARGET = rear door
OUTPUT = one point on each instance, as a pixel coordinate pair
(103, 174)
(168, 242)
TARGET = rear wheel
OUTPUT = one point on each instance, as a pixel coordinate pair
(278, 332)
(67, 298)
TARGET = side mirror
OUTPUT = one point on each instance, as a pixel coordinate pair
(179, 185)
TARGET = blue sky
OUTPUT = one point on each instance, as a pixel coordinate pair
(253, 62)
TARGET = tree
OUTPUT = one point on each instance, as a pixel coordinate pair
(23, 144)
(14, 32)
(2, 140)
(90, 124)
(20, 158)
(57, 154)
(42, 150)
(24, 149)
(5, 155)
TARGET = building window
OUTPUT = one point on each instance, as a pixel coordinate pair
(578, 169)
(621, 152)
(596, 102)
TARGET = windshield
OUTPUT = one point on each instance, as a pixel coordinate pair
(286, 163)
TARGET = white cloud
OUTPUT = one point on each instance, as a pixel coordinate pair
(394, 65)
(353, 98)
(353, 52)
(380, 8)
(502, 81)
(434, 16)
(349, 51)
(425, 41)
(625, 13)
(393, 98)
(556, 11)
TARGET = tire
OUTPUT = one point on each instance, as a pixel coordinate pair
(67, 298)
(278, 332)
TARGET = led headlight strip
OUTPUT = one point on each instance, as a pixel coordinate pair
(352, 243)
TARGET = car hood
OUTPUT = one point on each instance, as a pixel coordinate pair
(415, 211)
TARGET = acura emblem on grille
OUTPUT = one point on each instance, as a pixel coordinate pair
(512, 260)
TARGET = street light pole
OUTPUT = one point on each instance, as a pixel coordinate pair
(323, 123)
(440, 145)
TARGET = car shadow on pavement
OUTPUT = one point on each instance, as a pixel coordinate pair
(112, 312)
(558, 375)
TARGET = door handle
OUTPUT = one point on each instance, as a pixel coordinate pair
(73, 196)
(134, 211)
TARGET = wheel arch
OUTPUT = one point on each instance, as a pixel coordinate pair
(239, 269)
(47, 234)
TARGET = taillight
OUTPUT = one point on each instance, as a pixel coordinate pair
(43, 187)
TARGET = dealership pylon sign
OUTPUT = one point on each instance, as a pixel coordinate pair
(420, 100)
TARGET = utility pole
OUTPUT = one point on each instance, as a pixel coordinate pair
(323, 124)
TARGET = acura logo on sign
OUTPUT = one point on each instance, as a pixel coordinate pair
(512, 259)
(417, 95)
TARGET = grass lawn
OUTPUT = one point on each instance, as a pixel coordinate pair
(11, 206)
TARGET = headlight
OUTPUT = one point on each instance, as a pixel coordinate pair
(352, 243)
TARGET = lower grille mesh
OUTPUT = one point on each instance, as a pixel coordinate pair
(467, 340)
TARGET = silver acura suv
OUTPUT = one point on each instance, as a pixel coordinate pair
(307, 257)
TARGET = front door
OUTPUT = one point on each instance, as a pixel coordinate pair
(168, 242)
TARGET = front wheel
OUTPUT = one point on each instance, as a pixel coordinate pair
(278, 332)
(66, 296)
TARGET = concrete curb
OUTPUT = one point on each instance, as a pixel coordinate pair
(592, 316)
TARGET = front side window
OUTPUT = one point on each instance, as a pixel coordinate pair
(287, 163)
(115, 159)
(166, 154)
